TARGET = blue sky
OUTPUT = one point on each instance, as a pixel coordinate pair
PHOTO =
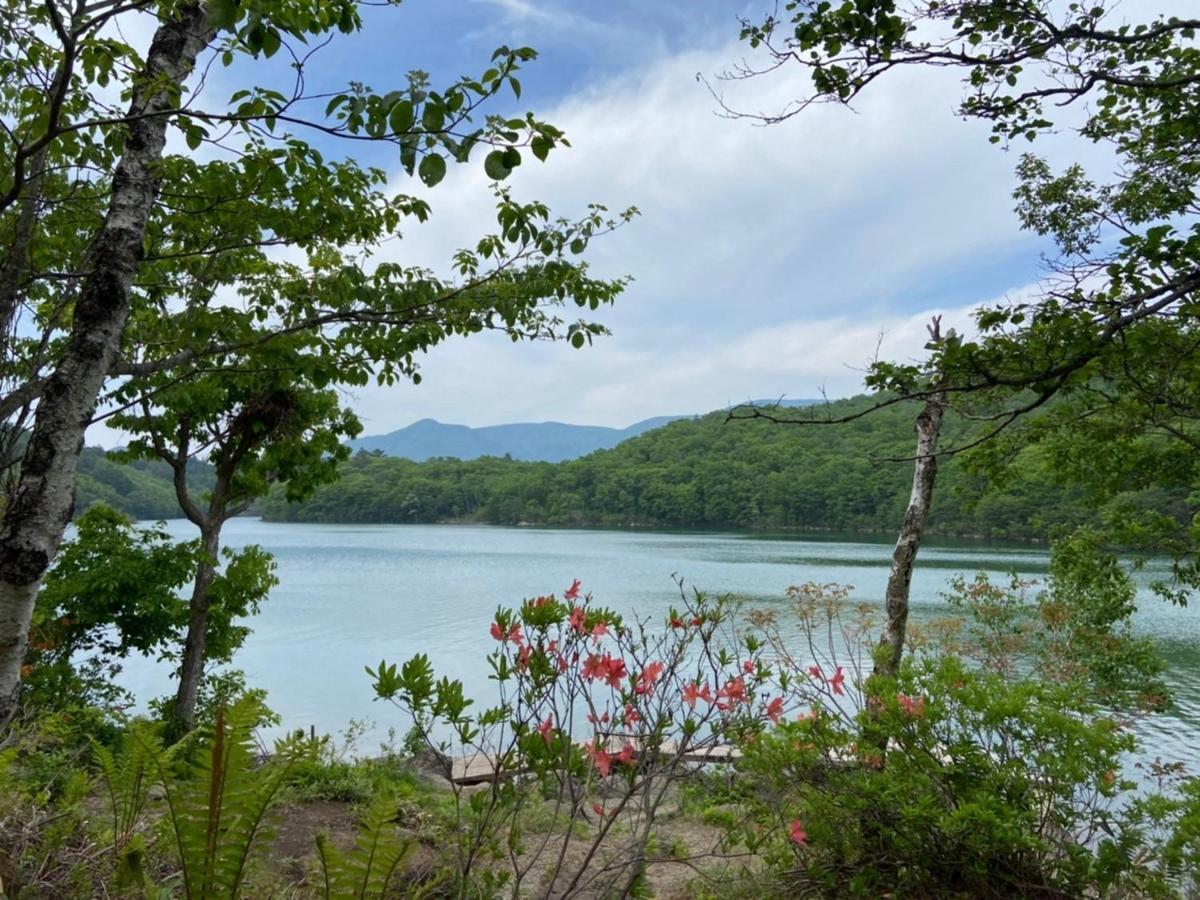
(767, 261)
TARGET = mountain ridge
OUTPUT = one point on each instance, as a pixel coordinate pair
(546, 441)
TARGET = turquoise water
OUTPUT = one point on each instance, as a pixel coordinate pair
(351, 595)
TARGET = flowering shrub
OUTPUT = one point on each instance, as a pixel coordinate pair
(995, 773)
(597, 720)
(960, 776)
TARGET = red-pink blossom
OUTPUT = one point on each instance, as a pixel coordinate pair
(650, 674)
(513, 634)
(775, 710)
(572, 593)
(691, 694)
(912, 706)
(837, 681)
(600, 758)
(797, 834)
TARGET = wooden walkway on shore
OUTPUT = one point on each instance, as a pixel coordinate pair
(480, 768)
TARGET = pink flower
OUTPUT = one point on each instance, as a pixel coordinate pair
(599, 810)
(576, 619)
(632, 716)
(734, 692)
(691, 694)
(676, 622)
(836, 682)
(748, 667)
(599, 630)
(572, 593)
(815, 672)
(546, 729)
(775, 710)
(914, 707)
(513, 634)
(523, 655)
(595, 666)
(600, 758)
(616, 672)
(625, 757)
(650, 674)
(608, 668)
(797, 834)
(592, 720)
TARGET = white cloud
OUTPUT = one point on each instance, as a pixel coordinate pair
(767, 260)
(615, 384)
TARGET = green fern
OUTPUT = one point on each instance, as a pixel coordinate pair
(217, 811)
(127, 776)
(368, 869)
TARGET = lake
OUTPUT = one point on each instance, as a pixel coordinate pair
(351, 595)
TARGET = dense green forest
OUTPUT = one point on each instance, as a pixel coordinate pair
(140, 488)
(702, 473)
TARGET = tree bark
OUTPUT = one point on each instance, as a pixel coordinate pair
(912, 529)
(904, 557)
(44, 498)
(15, 267)
(191, 667)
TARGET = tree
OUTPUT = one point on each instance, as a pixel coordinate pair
(258, 423)
(1109, 344)
(122, 260)
(912, 528)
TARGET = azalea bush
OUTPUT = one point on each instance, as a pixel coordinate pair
(597, 723)
(995, 773)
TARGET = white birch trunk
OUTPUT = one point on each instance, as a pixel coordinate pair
(44, 498)
(904, 557)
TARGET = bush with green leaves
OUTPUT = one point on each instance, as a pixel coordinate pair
(597, 723)
(114, 591)
(997, 773)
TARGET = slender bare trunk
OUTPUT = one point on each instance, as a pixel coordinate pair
(15, 268)
(191, 667)
(904, 557)
(44, 498)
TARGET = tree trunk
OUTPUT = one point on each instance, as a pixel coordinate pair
(929, 426)
(15, 268)
(44, 498)
(191, 667)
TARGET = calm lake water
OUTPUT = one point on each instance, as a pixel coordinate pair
(351, 595)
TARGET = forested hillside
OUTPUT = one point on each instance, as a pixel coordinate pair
(140, 489)
(702, 473)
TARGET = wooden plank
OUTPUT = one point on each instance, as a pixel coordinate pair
(480, 768)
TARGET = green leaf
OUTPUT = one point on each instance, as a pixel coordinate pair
(432, 170)
(402, 117)
(496, 165)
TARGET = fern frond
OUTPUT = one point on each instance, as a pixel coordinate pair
(369, 867)
(218, 810)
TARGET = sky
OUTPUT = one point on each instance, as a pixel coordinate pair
(766, 262)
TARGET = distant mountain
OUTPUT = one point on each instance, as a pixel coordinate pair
(533, 441)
